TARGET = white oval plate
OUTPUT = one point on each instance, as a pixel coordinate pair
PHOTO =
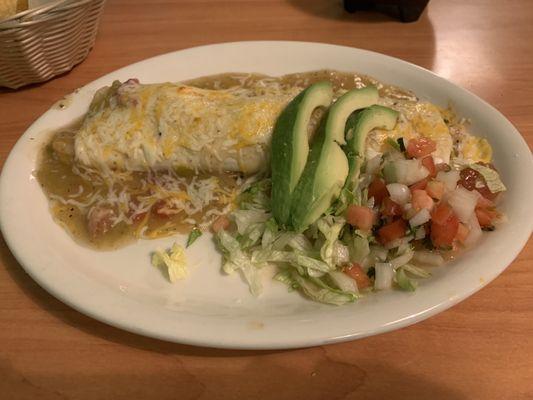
(122, 289)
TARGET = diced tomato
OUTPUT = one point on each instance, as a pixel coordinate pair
(136, 218)
(360, 217)
(483, 202)
(462, 233)
(485, 212)
(221, 223)
(377, 190)
(486, 193)
(99, 220)
(157, 208)
(355, 272)
(394, 230)
(442, 167)
(421, 147)
(435, 189)
(420, 185)
(164, 208)
(391, 208)
(494, 214)
(442, 235)
(420, 199)
(441, 213)
(486, 217)
(430, 166)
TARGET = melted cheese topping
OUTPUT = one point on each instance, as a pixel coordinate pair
(137, 127)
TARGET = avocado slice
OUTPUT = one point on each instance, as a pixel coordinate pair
(348, 103)
(290, 145)
(357, 128)
(327, 165)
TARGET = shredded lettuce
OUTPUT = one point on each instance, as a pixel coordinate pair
(283, 240)
(331, 228)
(394, 144)
(416, 271)
(300, 242)
(491, 177)
(244, 219)
(256, 197)
(319, 291)
(237, 260)
(271, 233)
(358, 246)
(251, 225)
(312, 264)
(252, 236)
(292, 257)
(285, 276)
(172, 261)
(315, 288)
(404, 282)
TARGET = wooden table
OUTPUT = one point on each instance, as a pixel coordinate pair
(480, 349)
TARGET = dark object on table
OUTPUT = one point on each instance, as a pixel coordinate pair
(404, 10)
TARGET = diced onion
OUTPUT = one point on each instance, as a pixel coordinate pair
(359, 248)
(384, 276)
(420, 218)
(399, 193)
(409, 211)
(379, 252)
(344, 282)
(415, 172)
(449, 178)
(401, 260)
(475, 231)
(463, 202)
(368, 262)
(420, 233)
(405, 246)
(428, 258)
(373, 164)
(315, 273)
(399, 242)
(409, 171)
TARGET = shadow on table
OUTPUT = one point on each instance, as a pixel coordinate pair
(257, 374)
(311, 373)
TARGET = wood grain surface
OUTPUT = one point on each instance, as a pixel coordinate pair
(479, 349)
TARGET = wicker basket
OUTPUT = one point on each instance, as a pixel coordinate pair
(41, 43)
